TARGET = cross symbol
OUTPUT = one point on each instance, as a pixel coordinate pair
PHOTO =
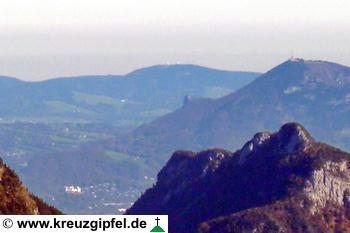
(157, 219)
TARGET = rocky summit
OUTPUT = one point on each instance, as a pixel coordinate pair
(277, 182)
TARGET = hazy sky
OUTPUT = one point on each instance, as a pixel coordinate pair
(41, 39)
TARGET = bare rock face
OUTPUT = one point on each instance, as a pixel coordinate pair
(278, 182)
(294, 137)
(329, 184)
(291, 138)
(258, 140)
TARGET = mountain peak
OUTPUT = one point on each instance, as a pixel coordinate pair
(296, 59)
(288, 183)
(295, 137)
(291, 138)
(309, 63)
(301, 75)
(174, 68)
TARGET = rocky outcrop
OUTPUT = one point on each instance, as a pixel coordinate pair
(258, 140)
(277, 182)
(329, 184)
(187, 100)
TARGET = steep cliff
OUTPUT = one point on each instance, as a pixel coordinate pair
(278, 182)
(15, 198)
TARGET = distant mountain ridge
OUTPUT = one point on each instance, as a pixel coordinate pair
(66, 128)
(130, 99)
(15, 198)
(315, 93)
(277, 182)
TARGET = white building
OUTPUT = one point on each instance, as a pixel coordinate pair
(73, 189)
